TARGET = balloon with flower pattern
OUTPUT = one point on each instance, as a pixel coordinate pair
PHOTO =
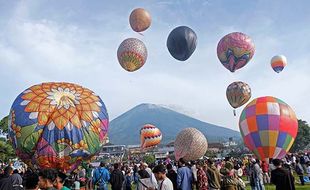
(132, 54)
(278, 63)
(269, 127)
(57, 125)
(235, 50)
(150, 136)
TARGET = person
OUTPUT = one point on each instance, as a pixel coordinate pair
(60, 180)
(308, 169)
(163, 182)
(16, 180)
(265, 168)
(135, 174)
(300, 172)
(229, 181)
(47, 178)
(144, 166)
(89, 175)
(31, 181)
(281, 178)
(194, 171)
(184, 176)
(144, 180)
(128, 179)
(5, 181)
(213, 174)
(101, 177)
(117, 178)
(172, 175)
(202, 179)
(256, 176)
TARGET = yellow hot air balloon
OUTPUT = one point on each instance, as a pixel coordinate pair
(150, 136)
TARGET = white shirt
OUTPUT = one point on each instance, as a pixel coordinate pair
(166, 184)
(194, 170)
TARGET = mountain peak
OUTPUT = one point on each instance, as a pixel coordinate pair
(125, 128)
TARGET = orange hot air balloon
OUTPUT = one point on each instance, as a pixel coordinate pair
(140, 20)
(150, 136)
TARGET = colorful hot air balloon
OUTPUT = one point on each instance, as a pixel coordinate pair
(182, 42)
(150, 136)
(238, 93)
(268, 127)
(235, 50)
(190, 144)
(140, 20)
(132, 54)
(278, 63)
(57, 125)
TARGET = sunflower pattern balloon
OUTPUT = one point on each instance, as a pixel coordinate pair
(57, 125)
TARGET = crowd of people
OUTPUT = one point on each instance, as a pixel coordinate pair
(207, 174)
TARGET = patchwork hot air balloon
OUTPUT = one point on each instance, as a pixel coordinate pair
(57, 125)
(182, 42)
(238, 93)
(235, 50)
(268, 127)
(190, 144)
(140, 20)
(150, 136)
(132, 54)
(278, 63)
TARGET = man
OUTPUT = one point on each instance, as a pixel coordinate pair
(300, 172)
(60, 180)
(16, 180)
(101, 177)
(256, 173)
(163, 182)
(144, 166)
(117, 178)
(47, 179)
(185, 176)
(282, 178)
(31, 181)
(214, 177)
(172, 175)
(5, 181)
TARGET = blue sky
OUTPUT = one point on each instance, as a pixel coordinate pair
(76, 41)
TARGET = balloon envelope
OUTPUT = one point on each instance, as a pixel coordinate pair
(238, 93)
(268, 127)
(150, 136)
(132, 54)
(235, 50)
(182, 42)
(278, 63)
(57, 125)
(190, 144)
(140, 20)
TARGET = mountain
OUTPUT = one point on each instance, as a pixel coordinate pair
(125, 129)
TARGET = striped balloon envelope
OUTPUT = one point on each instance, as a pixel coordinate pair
(150, 136)
(278, 63)
(268, 127)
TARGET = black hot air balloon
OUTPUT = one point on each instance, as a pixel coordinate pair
(182, 42)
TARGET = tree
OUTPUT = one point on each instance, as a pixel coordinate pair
(6, 151)
(149, 159)
(303, 137)
(4, 124)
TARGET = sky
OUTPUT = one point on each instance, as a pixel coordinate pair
(76, 41)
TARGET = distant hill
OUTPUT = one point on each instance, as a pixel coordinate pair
(125, 129)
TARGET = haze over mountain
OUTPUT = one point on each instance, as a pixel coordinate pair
(125, 129)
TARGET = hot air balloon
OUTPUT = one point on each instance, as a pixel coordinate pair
(235, 50)
(268, 127)
(190, 144)
(57, 125)
(132, 54)
(150, 136)
(238, 93)
(140, 20)
(278, 63)
(182, 42)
